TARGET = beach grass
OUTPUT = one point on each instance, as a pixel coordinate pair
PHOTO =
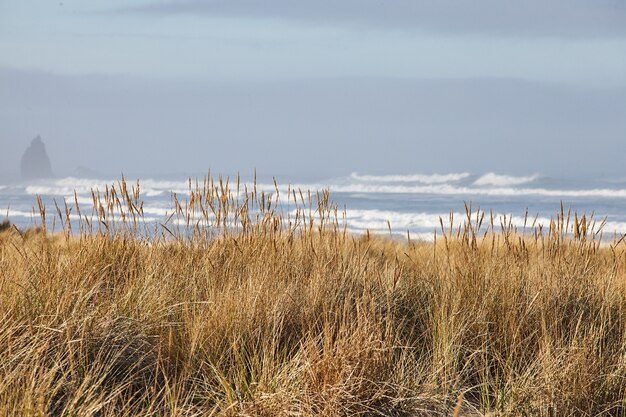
(244, 303)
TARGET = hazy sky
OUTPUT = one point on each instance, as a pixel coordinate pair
(320, 87)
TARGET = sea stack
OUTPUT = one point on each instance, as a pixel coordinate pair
(35, 162)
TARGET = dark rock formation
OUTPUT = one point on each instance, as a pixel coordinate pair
(35, 161)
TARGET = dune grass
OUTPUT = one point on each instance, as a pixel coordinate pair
(243, 303)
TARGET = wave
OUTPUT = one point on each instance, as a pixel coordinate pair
(421, 178)
(377, 219)
(158, 211)
(415, 236)
(447, 189)
(66, 186)
(420, 224)
(424, 223)
(83, 186)
(11, 213)
(160, 190)
(503, 180)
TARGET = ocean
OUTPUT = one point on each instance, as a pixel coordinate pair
(412, 204)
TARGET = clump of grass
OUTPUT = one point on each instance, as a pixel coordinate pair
(5, 225)
(235, 306)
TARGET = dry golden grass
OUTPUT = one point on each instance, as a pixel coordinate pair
(232, 308)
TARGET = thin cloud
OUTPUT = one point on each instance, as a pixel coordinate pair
(556, 18)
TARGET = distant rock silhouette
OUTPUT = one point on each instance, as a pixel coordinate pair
(35, 162)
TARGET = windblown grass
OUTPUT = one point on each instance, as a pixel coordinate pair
(241, 305)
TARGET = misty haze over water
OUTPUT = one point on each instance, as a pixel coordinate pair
(314, 128)
(403, 110)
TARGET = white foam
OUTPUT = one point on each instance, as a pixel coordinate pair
(66, 186)
(434, 184)
(447, 189)
(503, 180)
(20, 213)
(84, 186)
(421, 178)
(151, 187)
(415, 236)
(376, 220)
(82, 200)
(157, 211)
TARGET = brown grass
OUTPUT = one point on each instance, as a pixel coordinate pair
(234, 307)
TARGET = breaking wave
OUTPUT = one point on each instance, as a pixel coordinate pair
(67, 186)
(447, 189)
(503, 180)
(488, 185)
(377, 219)
(20, 213)
(424, 179)
(425, 223)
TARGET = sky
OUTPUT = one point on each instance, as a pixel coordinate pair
(315, 88)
